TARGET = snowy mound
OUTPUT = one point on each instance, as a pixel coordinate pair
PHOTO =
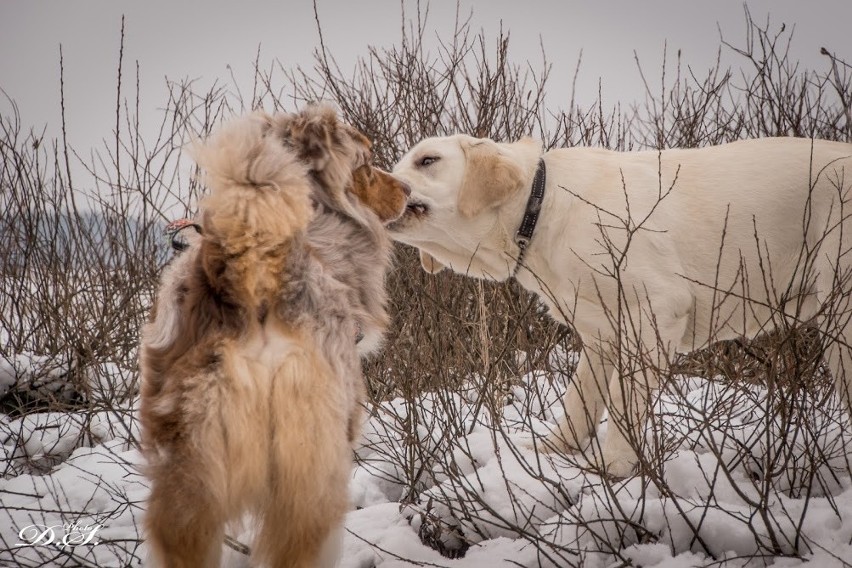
(451, 479)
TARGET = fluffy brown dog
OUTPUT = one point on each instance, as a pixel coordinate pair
(251, 377)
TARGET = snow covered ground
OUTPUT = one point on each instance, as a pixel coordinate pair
(456, 471)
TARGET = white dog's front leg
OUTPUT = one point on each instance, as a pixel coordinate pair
(583, 404)
(629, 393)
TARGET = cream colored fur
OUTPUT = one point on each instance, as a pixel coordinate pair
(645, 253)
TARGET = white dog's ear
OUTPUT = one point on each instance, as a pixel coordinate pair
(429, 263)
(490, 178)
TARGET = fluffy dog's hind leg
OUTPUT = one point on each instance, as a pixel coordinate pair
(310, 462)
(184, 520)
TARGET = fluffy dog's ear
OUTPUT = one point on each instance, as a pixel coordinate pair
(310, 134)
(490, 178)
(429, 263)
(316, 132)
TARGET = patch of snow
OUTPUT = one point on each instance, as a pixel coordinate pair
(457, 472)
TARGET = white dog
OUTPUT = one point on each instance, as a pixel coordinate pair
(643, 253)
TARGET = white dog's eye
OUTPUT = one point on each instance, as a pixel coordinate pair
(427, 160)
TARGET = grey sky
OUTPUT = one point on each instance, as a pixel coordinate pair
(199, 39)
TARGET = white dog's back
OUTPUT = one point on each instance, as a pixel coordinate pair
(713, 220)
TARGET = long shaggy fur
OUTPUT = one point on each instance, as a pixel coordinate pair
(251, 376)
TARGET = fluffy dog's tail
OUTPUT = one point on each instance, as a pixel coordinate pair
(259, 200)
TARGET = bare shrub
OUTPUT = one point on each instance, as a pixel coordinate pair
(470, 369)
(765, 415)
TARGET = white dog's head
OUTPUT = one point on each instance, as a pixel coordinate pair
(462, 189)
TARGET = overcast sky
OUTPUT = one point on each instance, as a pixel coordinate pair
(200, 39)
